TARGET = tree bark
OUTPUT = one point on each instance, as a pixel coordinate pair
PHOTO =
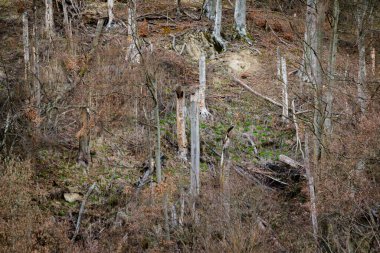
(331, 67)
(282, 75)
(133, 55)
(225, 166)
(195, 146)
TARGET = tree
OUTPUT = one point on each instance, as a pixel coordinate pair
(331, 67)
(202, 87)
(49, 19)
(314, 70)
(110, 4)
(195, 147)
(364, 10)
(219, 41)
(240, 19)
(209, 9)
(181, 124)
(25, 38)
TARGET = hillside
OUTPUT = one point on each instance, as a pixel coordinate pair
(83, 117)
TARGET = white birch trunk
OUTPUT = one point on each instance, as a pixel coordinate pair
(210, 8)
(221, 44)
(240, 18)
(181, 124)
(49, 19)
(111, 16)
(195, 146)
(25, 38)
(331, 67)
(202, 87)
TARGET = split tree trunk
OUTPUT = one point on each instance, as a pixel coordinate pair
(331, 67)
(202, 87)
(111, 17)
(49, 19)
(195, 146)
(181, 124)
(216, 34)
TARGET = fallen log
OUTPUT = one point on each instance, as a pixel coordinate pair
(289, 161)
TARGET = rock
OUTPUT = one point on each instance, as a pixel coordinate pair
(72, 197)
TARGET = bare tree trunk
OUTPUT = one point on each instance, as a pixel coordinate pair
(210, 8)
(182, 208)
(166, 217)
(181, 124)
(158, 134)
(219, 41)
(84, 157)
(67, 25)
(362, 74)
(241, 20)
(133, 55)
(36, 68)
(202, 87)
(49, 19)
(298, 139)
(195, 146)
(331, 67)
(25, 38)
(310, 179)
(225, 165)
(313, 35)
(282, 76)
(110, 13)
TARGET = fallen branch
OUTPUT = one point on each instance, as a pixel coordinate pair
(81, 210)
(289, 161)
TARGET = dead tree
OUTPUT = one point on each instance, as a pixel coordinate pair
(310, 180)
(202, 87)
(331, 67)
(195, 146)
(84, 157)
(158, 133)
(282, 75)
(181, 124)
(49, 19)
(67, 25)
(224, 175)
(216, 34)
